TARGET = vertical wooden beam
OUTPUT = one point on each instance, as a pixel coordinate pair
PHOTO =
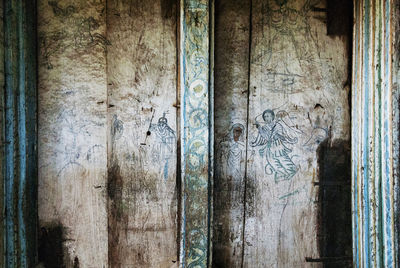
(373, 151)
(20, 133)
(196, 130)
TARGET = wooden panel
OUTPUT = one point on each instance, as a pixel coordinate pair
(196, 130)
(142, 142)
(232, 29)
(298, 98)
(72, 133)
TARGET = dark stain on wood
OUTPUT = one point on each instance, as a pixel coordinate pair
(76, 262)
(340, 17)
(117, 219)
(223, 190)
(168, 8)
(51, 251)
(334, 201)
(251, 192)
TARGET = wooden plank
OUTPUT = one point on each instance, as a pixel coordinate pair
(196, 131)
(232, 30)
(298, 98)
(72, 133)
(20, 170)
(142, 143)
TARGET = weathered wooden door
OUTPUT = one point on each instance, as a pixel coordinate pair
(282, 185)
(111, 78)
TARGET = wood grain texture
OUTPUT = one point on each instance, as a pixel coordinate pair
(72, 133)
(232, 33)
(142, 140)
(298, 98)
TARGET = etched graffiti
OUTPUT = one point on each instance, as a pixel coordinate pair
(232, 151)
(276, 138)
(318, 135)
(288, 48)
(85, 36)
(79, 32)
(163, 149)
(117, 128)
(50, 46)
(61, 12)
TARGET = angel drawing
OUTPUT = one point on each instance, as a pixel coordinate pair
(276, 138)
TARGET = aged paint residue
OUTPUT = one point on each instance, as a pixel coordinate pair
(2, 132)
(374, 155)
(19, 147)
(195, 132)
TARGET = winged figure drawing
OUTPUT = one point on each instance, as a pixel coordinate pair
(276, 138)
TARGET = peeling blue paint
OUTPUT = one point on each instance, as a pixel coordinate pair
(196, 114)
(20, 133)
(372, 129)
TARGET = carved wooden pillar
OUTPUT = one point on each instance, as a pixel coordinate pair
(20, 125)
(196, 130)
(374, 133)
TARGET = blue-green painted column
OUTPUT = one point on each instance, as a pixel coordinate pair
(374, 150)
(20, 157)
(196, 89)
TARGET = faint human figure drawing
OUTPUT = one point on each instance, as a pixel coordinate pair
(289, 45)
(276, 138)
(117, 128)
(85, 36)
(163, 149)
(231, 151)
(318, 135)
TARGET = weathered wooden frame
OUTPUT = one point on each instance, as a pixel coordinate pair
(20, 130)
(374, 128)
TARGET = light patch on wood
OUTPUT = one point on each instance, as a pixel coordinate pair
(298, 98)
(143, 135)
(72, 127)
